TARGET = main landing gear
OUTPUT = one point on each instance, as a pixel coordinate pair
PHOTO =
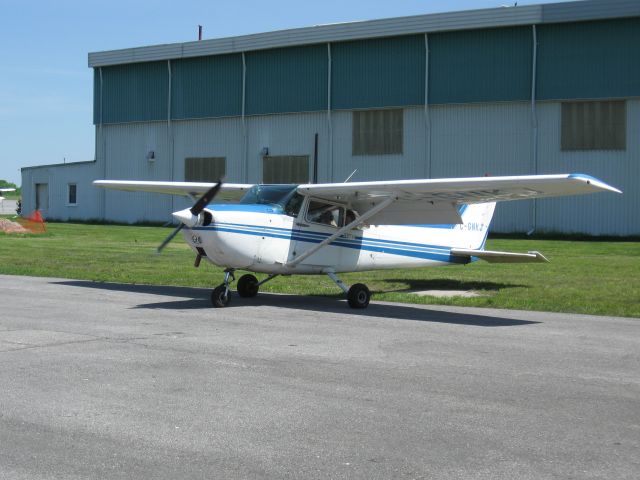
(358, 295)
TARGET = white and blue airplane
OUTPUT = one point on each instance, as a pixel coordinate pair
(333, 228)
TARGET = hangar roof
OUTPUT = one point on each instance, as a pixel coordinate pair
(464, 20)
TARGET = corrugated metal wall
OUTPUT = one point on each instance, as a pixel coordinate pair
(58, 178)
(589, 59)
(127, 157)
(600, 214)
(378, 73)
(287, 80)
(479, 120)
(463, 140)
(491, 139)
(480, 65)
(206, 87)
(287, 135)
(577, 60)
(135, 93)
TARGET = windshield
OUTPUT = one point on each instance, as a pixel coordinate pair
(269, 195)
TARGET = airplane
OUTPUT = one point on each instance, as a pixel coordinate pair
(332, 228)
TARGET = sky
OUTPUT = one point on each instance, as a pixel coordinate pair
(46, 98)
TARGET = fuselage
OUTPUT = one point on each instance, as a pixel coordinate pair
(261, 238)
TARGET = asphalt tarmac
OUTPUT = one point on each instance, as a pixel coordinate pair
(111, 381)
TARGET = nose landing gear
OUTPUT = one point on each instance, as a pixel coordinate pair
(220, 295)
(247, 287)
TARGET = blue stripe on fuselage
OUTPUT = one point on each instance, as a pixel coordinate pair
(437, 253)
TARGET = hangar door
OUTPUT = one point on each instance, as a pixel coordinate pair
(42, 196)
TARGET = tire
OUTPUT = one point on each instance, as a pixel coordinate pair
(358, 296)
(247, 286)
(219, 297)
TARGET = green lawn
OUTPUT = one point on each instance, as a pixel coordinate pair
(583, 276)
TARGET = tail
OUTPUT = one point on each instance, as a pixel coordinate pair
(472, 232)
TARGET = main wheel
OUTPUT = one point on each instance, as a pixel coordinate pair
(247, 286)
(219, 297)
(358, 296)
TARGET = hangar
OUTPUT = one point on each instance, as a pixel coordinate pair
(551, 88)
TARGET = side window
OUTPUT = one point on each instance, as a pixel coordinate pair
(325, 213)
(72, 190)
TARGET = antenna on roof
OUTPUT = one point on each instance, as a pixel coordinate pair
(199, 32)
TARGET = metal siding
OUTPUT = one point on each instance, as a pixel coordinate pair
(287, 80)
(491, 139)
(135, 93)
(599, 214)
(209, 138)
(127, 146)
(57, 178)
(410, 164)
(466, 140)
(206, 87)
(287, 135)
(378, 73)
(480, 65)
(589, 60)
(96, 96)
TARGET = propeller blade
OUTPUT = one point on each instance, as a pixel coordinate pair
(206, 199)
(169, 238)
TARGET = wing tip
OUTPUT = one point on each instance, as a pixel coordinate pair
(597, 183)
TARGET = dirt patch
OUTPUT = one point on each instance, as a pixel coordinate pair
(447, 293)
(8, 226)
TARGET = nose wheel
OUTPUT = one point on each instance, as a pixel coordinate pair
(220, 296)
(247, 287)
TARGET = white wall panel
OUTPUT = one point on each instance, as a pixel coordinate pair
(463, 140)
(600, 214)
(290, 134)
(486, 139)
(126, 151)
(58, 177)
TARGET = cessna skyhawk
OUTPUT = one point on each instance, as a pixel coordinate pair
(333, 228)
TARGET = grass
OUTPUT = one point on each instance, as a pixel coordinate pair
(592, 277)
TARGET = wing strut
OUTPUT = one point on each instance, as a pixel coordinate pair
(358, 221)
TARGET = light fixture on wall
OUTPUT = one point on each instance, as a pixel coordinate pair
(151, 156)
(264, 152)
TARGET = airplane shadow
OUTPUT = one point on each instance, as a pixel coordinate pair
(198, 299)
(448, 284)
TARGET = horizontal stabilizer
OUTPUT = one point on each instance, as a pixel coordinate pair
(500, 257)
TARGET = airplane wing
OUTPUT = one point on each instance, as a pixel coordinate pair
(436, 201)
(499, 257)
(228, 191)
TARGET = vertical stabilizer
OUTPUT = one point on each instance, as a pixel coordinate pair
(472, 232)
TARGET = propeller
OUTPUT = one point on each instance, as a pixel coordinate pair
(192, 215)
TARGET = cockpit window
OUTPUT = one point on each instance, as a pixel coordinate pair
(278, 195)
